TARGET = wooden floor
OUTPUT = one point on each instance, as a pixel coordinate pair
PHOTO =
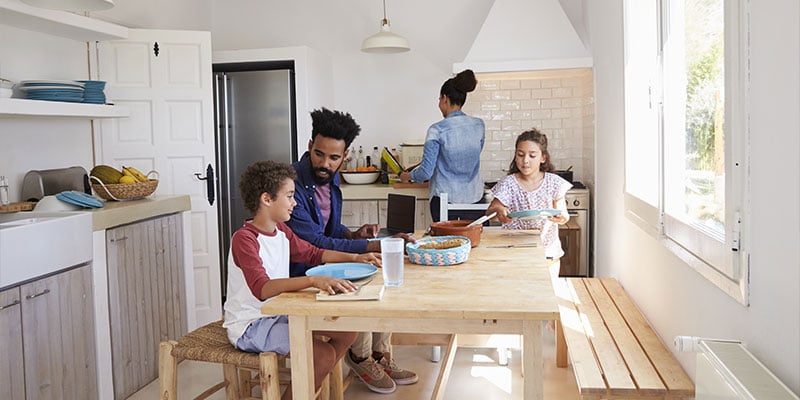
(475, 375)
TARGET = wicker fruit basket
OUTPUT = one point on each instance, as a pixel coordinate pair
(439, 257)
(124, 191)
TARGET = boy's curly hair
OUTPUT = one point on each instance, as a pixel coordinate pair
(335, 125)
(263, 177)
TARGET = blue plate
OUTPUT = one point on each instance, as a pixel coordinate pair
(79, 199)
(535, 214)
(349, 271)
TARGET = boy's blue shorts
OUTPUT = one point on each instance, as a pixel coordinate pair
(266, 334)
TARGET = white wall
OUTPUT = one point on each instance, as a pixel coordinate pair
(28, 143)
(675, 299)
(393, 97)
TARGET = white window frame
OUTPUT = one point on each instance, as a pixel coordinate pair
(723, 261)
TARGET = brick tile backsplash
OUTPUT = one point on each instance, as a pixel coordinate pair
(560, 103)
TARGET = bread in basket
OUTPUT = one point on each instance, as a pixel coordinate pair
(439, 250)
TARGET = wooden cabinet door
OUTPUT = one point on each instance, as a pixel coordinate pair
(12, 378)
(147, 297)
(356, 213)
(569, 235)
(58, 331)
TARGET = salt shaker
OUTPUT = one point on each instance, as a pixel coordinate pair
(3, 191)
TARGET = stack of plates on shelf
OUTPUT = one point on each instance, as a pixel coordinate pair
(93, 92)
(53, 90)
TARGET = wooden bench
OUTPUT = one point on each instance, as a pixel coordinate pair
(614, 351)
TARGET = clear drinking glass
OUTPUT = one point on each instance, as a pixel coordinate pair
(392, 258)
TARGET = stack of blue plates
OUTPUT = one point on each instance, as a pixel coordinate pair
(53, 90)
(93, 92)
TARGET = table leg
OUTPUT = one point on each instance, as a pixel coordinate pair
(302, 351)
(532, 364)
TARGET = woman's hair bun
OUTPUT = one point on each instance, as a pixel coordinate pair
(465, 81)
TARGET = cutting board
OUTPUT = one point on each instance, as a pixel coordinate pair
(20, 206)
(412, 185)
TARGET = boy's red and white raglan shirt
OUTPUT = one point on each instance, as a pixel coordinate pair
(255, 258)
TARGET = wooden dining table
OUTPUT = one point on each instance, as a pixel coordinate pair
(503, 288)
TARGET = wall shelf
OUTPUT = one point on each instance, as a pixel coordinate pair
(58, 23)
(39, 108)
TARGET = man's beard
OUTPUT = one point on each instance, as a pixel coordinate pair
(319, 180)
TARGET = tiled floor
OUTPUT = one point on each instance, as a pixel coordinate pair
(475, 375)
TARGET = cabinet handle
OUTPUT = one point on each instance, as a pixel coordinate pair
(42, 293)
(9, 305)
(112, 240)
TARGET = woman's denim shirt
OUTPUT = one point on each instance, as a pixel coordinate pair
(451, 158)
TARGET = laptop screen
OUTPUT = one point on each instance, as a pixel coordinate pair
(400, 213)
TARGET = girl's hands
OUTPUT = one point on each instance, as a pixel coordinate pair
(369, 258)
(332, 285)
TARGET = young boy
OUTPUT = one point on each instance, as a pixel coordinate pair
(258, 269)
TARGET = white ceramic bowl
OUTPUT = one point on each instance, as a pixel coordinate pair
(51, 203)
(360, 178)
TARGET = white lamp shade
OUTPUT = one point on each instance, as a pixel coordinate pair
(72, 5)
(385, 42)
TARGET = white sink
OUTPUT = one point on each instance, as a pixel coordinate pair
(35, 244)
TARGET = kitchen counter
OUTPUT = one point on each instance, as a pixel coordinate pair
(116, 213)
(377, 191)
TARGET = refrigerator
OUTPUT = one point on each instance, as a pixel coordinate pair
(254, 115)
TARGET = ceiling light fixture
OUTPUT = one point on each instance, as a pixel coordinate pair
(72, 5)
(385, 41)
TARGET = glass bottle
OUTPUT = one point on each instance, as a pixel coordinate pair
(3, 191)
(361, 161)
(376, 157)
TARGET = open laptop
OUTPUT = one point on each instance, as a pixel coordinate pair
(401, 210)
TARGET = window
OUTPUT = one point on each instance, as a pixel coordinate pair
(686, 131)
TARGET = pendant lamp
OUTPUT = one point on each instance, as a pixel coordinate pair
(385, 41)
(72, 5)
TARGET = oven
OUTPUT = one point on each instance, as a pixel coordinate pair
(574, 235)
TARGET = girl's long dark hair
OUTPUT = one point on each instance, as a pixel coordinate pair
(539, 138)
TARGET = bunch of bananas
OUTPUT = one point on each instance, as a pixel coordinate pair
(111, 175)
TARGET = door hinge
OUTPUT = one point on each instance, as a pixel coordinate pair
(155, 49)
(736, 231)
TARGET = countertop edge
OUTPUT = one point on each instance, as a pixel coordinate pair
(116, 213)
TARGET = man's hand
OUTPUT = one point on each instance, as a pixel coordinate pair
(407, 237)
(370, 258)
(367, 231)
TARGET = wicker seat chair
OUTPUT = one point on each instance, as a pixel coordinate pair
(210, 343)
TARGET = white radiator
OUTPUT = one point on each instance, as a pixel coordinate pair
(727, 371)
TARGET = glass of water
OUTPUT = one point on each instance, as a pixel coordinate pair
(392, 259)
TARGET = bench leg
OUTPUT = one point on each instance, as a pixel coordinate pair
(167, 372)
(561, 346)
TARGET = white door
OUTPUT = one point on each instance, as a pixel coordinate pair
(164, 78)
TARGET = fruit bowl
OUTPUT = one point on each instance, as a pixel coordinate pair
(360, 177)
(124, 191)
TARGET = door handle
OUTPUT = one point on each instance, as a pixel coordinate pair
(209, 178)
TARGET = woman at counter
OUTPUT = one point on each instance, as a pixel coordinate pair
(452, 151)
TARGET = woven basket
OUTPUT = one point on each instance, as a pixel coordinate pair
(124, 191)
(435, 257)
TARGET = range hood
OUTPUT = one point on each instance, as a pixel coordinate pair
(525, 35)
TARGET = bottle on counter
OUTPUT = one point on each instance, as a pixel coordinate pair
(361, 161)
(3, 191)
(376, 157)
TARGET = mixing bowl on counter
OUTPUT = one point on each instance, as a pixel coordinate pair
(458, 228)
(360, 177)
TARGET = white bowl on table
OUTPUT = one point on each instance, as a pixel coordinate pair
(360, 177)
